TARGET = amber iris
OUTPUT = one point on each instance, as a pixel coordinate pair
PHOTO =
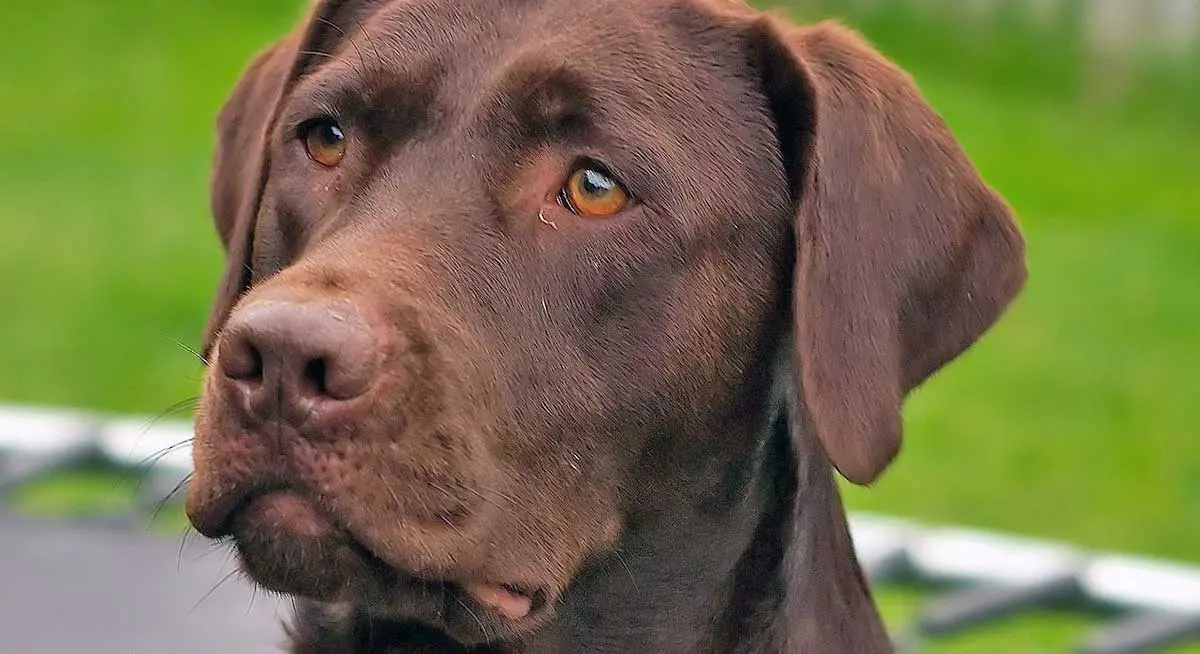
(325, 142)
(592, 192)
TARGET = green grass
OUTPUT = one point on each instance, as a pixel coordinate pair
(85, 491)
(90, 491)
(1041, 631)
(1075, 419)
(106, 249)
(1010, 52)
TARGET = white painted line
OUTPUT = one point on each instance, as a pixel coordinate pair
(139, 442)
(41, 431)
(881, 543)
(986, 557)
(1143, 583)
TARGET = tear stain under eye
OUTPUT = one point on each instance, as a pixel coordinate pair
(546, 221)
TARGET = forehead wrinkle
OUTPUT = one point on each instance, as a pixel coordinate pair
(546, 99)
(463, 41)
(323, 90)
(342, 87)
(334, 86)
(585, 69)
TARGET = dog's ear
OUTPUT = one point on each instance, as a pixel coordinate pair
(245, 127)
(904, 256)
(239, 172)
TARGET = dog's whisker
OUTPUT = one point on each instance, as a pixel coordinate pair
(214, 547)
(183, 542)
(172, 409)
(336, 28)
(361, 59)
(628, 570)
(229, 553)
(509, 509)
(183, 346)
(341, 32)
(482, 626)
(190, 402)
(149, 461)
(420, 496)
(146, 465)
(370, 41)
(154, 458)
(229, 575)
(253, 596)
(164, 501)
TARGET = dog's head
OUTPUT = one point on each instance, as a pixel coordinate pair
(506, 279)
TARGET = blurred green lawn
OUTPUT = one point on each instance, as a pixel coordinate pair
(1075, 419)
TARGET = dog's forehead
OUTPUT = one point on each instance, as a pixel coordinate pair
(433, 21)
(622, 42)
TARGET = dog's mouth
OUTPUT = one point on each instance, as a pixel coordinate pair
(287, 544)
(506, 600)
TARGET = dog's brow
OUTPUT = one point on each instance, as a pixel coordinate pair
(328, 88)
(386, 99)
(549, 100)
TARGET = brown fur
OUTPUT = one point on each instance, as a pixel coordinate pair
(634, 415)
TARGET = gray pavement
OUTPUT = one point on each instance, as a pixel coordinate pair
(68, 588)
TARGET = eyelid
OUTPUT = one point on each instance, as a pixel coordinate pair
(302, 127)
(304, 113)
(588, 161)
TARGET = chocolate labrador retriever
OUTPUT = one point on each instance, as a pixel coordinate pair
(546, 323)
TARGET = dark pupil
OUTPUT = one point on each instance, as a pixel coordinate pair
(597, 183)
(329, 134)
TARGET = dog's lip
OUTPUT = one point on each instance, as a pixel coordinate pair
(508, 601)
(216, 519)
(511, 602)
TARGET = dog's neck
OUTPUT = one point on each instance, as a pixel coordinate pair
(775, 566)
(794, 585)
(826, 605)
(772, 572)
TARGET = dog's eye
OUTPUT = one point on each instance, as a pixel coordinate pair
(591, 191)
(324, 141)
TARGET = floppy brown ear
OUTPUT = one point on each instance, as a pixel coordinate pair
(905, 257)
(245, 126)
(239, 171)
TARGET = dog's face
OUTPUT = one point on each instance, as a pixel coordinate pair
(508, 277)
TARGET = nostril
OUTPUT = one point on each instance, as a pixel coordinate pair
(315, 374)
(243, 361)
(342, 375)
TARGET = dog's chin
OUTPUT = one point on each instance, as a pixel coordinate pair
(288, 545)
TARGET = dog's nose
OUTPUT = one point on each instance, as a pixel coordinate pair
(286, 354)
